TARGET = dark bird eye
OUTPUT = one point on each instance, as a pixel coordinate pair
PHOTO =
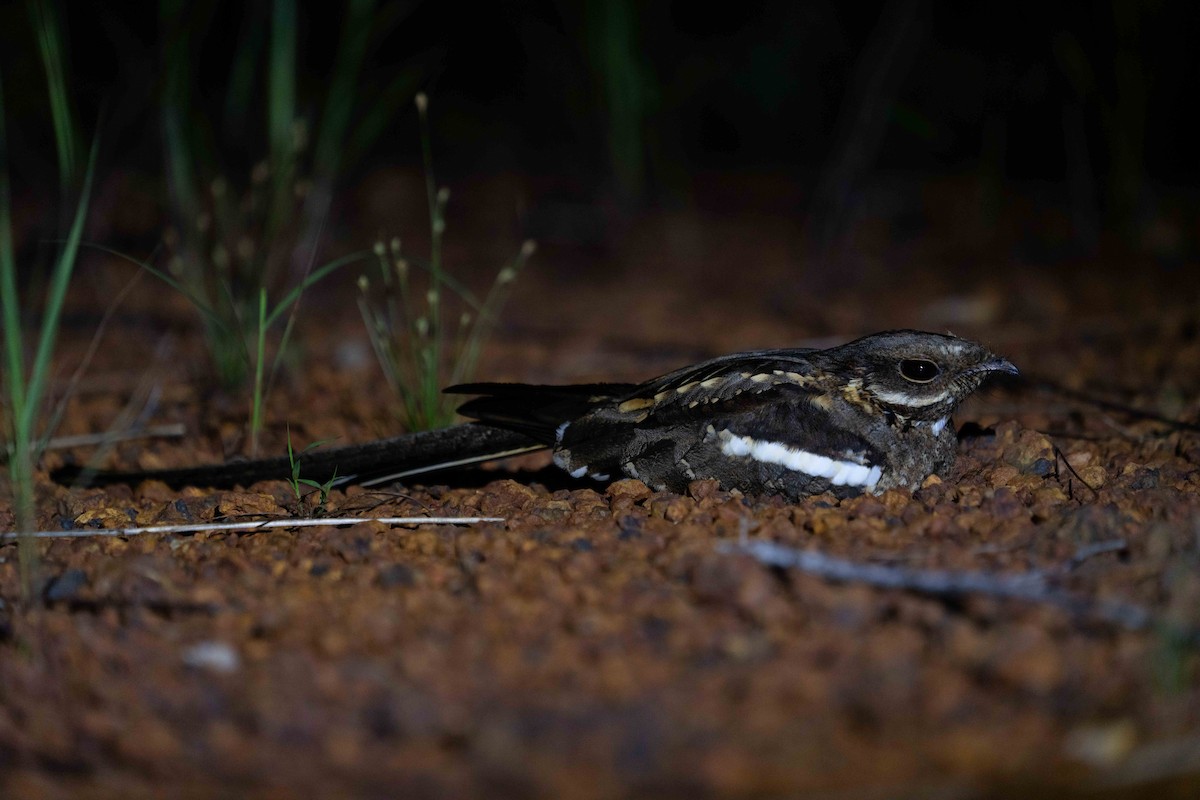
(919, 370)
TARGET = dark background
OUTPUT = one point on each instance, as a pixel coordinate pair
(1089, 107)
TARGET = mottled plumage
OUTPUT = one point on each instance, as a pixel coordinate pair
(866, 416)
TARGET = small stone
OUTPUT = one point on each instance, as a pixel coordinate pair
(1079, 459)
(238, 504)
(214, 656)
(1031, 452)
(103, 518)
(1094, 475)
(1004, 475)
(155, 492)
(553, 509)
(671, 507)
(1101, 745)
(1042, 466)
(395, 575)
(634, 490)
(65, 586)
(505, 497)
(1141, 477)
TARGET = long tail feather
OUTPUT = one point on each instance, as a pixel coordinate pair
(368, 464)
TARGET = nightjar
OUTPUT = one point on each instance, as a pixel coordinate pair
(865, 416)
(869, 415)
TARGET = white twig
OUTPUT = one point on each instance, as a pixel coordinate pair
(1035, 587)
(249, 526)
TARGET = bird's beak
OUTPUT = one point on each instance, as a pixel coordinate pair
(998, 365)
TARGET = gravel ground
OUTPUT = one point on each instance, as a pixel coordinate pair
(604, 641)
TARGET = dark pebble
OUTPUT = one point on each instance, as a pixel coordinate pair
(395, 575)
(65, 586)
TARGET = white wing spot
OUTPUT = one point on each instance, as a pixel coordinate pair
(580, 472)
(936, 428)
(559, 431)
(838, 473)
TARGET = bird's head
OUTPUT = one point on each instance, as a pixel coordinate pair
(917, 375)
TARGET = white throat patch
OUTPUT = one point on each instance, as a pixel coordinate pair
(908, 401)
(838, 473)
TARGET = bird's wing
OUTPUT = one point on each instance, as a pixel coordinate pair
(774, 408)
(536, 411)
(700, 388)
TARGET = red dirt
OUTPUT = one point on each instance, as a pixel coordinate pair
(597, 644)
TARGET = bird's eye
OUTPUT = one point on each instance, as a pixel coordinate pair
(919, 370)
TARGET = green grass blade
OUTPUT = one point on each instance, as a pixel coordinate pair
(50, 43)
(59, 281)
(176, 100)
(343, 87)
(211, 316)
(281, 82)
(281, 123)
(256, 402)
(316, 275)
(13, 343)
(179, 169)
(243, 74)
(27, 393)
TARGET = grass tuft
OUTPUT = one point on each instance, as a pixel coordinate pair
(242, 240)
(420, 344)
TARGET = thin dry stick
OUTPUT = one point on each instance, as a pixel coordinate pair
(1054, 387)
(1033, 587)
(169, 431)
(253, 525)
